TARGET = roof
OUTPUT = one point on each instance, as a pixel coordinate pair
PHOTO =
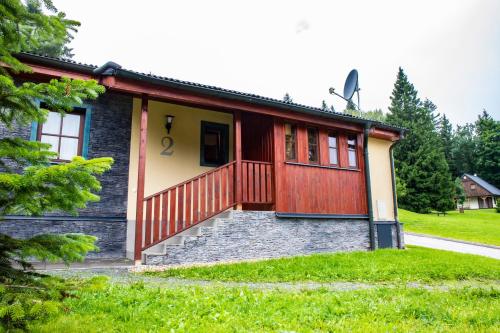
(111, 68)
(484, 184)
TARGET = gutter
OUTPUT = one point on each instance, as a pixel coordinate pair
(371, 226)
(394, 194)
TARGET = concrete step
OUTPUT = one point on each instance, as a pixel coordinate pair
(203, 229)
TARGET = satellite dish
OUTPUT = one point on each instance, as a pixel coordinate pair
(351, 84)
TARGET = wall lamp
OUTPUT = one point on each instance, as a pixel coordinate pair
(168, 124)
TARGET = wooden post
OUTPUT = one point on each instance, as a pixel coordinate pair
(237, 157)
(141, 179)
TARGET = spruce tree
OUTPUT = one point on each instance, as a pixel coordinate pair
(29, 183)
(446, 135)
(419, 159)
(464, 150)
(488, 149)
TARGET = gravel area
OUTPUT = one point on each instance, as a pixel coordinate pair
(125, 275)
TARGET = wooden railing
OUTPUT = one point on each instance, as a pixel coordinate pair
(256, 182)
(184, 205)
(181, 206)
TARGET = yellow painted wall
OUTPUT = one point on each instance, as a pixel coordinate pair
(165, 171)
(381, 179)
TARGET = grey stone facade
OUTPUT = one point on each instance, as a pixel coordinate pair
(111, 117)
(111, 233)
(260, 234)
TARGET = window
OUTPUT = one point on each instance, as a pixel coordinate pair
(332, 149)
(290, 142)
(472, 186)
(214, 144)
(312, 144)
(351, 151)
(64, 133)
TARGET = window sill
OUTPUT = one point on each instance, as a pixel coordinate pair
(323, 166)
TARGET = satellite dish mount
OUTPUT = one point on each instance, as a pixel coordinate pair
(351, 86)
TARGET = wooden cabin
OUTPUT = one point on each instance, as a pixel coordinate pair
(206, 174)
(479, 193)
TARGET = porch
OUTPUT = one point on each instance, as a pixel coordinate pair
(245, 180)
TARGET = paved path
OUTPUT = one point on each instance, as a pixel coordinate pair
(449, 245)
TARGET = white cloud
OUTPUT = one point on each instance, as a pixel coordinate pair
(450, 49)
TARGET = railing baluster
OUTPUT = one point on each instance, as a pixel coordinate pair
(149, 208)
(210, 195)
(216, 190)
(156, 226)
(251, 196)
(203, 197)
(269, 183)
(257, 182)
(263, 183)
(223, 183)
(244, 178)
(180, 211)
(188, 205)
(195, 201)
(164, 215)
(230, 189)
(173, 206)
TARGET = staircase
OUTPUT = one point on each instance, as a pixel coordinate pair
(185, 211)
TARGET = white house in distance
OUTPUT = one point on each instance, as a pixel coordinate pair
(479, 193)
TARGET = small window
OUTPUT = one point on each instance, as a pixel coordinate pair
(64, 133)
(332, 149)
(312, 144)
(351, 150)
(214, 144)
(472, 186)
(290, 142)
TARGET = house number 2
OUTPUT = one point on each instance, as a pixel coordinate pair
(168, 144)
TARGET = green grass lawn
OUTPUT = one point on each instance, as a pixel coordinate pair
(482, 226)
(389, 307)
(413, 264)
(137, 308)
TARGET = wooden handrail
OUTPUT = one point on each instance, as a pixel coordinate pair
(189, 180)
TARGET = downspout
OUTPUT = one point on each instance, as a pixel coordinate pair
(371, 225)
(394, 194)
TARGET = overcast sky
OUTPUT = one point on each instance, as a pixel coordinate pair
(450, 49)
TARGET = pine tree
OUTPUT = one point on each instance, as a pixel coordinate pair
(324, 106)
(29, 183)
(350, 105)
(446, 135)
(419, 160)
(488, 149)
(464, 150)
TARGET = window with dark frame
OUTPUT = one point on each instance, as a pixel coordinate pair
(312, 145)
(472, 186)
(290, 142)
(332, 149)
(64, 133)
(214, 144)
(351, 151)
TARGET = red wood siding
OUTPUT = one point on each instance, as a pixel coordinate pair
(257, 138)
(311, 188)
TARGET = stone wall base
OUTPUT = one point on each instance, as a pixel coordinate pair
(260, 234)
(110, 233)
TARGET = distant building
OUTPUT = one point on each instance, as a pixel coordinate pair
(479, 193)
